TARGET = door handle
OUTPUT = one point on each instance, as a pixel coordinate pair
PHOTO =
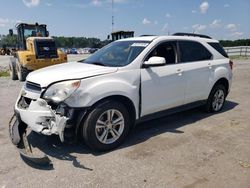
(210, 66)
(179, 72)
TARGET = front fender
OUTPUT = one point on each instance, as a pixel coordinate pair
(96, 88)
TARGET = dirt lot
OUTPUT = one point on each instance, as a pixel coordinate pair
(189, 149)
(4, 60)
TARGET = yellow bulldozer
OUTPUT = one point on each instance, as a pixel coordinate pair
(35, 50)
(121, 35)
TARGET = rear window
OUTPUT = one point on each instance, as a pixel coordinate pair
(218, 48)
(193, 51)
(46, 49)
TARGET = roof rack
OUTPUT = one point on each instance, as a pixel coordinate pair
(146, 35)
(192, 35)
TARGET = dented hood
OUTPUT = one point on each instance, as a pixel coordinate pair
(66, 71)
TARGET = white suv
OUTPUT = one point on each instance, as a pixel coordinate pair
(127, 81)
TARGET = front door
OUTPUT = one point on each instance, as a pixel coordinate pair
(162, 87)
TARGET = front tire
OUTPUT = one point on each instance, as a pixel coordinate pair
(106, 126)
(12, 70)
(22, 72)
(216, 98)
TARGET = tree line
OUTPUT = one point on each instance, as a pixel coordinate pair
(231, 43)
(82, 42)
(61, 42)
(79, 42)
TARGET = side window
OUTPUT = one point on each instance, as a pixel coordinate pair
(193, 51)
(166, 50)
(219, 48)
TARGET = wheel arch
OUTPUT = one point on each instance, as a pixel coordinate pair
(223, 81)
(122, 99)
(118, 98)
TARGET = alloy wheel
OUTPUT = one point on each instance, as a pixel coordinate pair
(109, 126)
(218, 100)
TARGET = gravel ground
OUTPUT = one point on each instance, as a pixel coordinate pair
(188, 149)
(4, 60)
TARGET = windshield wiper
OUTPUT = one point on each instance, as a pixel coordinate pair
(94, 63)
(98, 63)
(81, 61)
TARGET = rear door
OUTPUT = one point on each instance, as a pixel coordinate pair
(196, 60)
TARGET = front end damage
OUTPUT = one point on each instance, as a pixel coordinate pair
(41, 118)
(44, 118)
(17, 131)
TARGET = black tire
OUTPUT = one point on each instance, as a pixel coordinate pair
(8, 52)
(90, 133)
(12, 69)
(22, 72)
(211, 101)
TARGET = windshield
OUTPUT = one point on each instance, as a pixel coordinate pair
(34, 32)
(117, 54)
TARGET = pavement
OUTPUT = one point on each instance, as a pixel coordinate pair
(188, 149)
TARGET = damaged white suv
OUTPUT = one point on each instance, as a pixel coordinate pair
(127, 81)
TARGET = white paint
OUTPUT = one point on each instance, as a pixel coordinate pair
(162, 87)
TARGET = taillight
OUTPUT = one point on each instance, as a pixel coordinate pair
(231, 64)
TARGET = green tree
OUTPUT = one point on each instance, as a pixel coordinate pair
(9, 41)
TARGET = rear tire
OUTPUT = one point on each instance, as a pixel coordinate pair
(216, 99)
(22, 72)
(12, 69)
(106, 126)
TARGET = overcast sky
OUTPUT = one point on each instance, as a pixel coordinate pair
(221, 19)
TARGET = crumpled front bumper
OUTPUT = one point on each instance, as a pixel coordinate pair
(40, 118)
(17, 131)
(35, 113)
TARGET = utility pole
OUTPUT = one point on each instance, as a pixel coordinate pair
(113, 15)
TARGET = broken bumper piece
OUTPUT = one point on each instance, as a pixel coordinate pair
(17, 130)
(42, 119)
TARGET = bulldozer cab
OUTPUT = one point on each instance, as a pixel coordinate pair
(121, 35)
(29, 30)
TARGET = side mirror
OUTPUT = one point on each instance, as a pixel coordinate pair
(47, 33)
(108, 37)
(155, 61)
(11, 32)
